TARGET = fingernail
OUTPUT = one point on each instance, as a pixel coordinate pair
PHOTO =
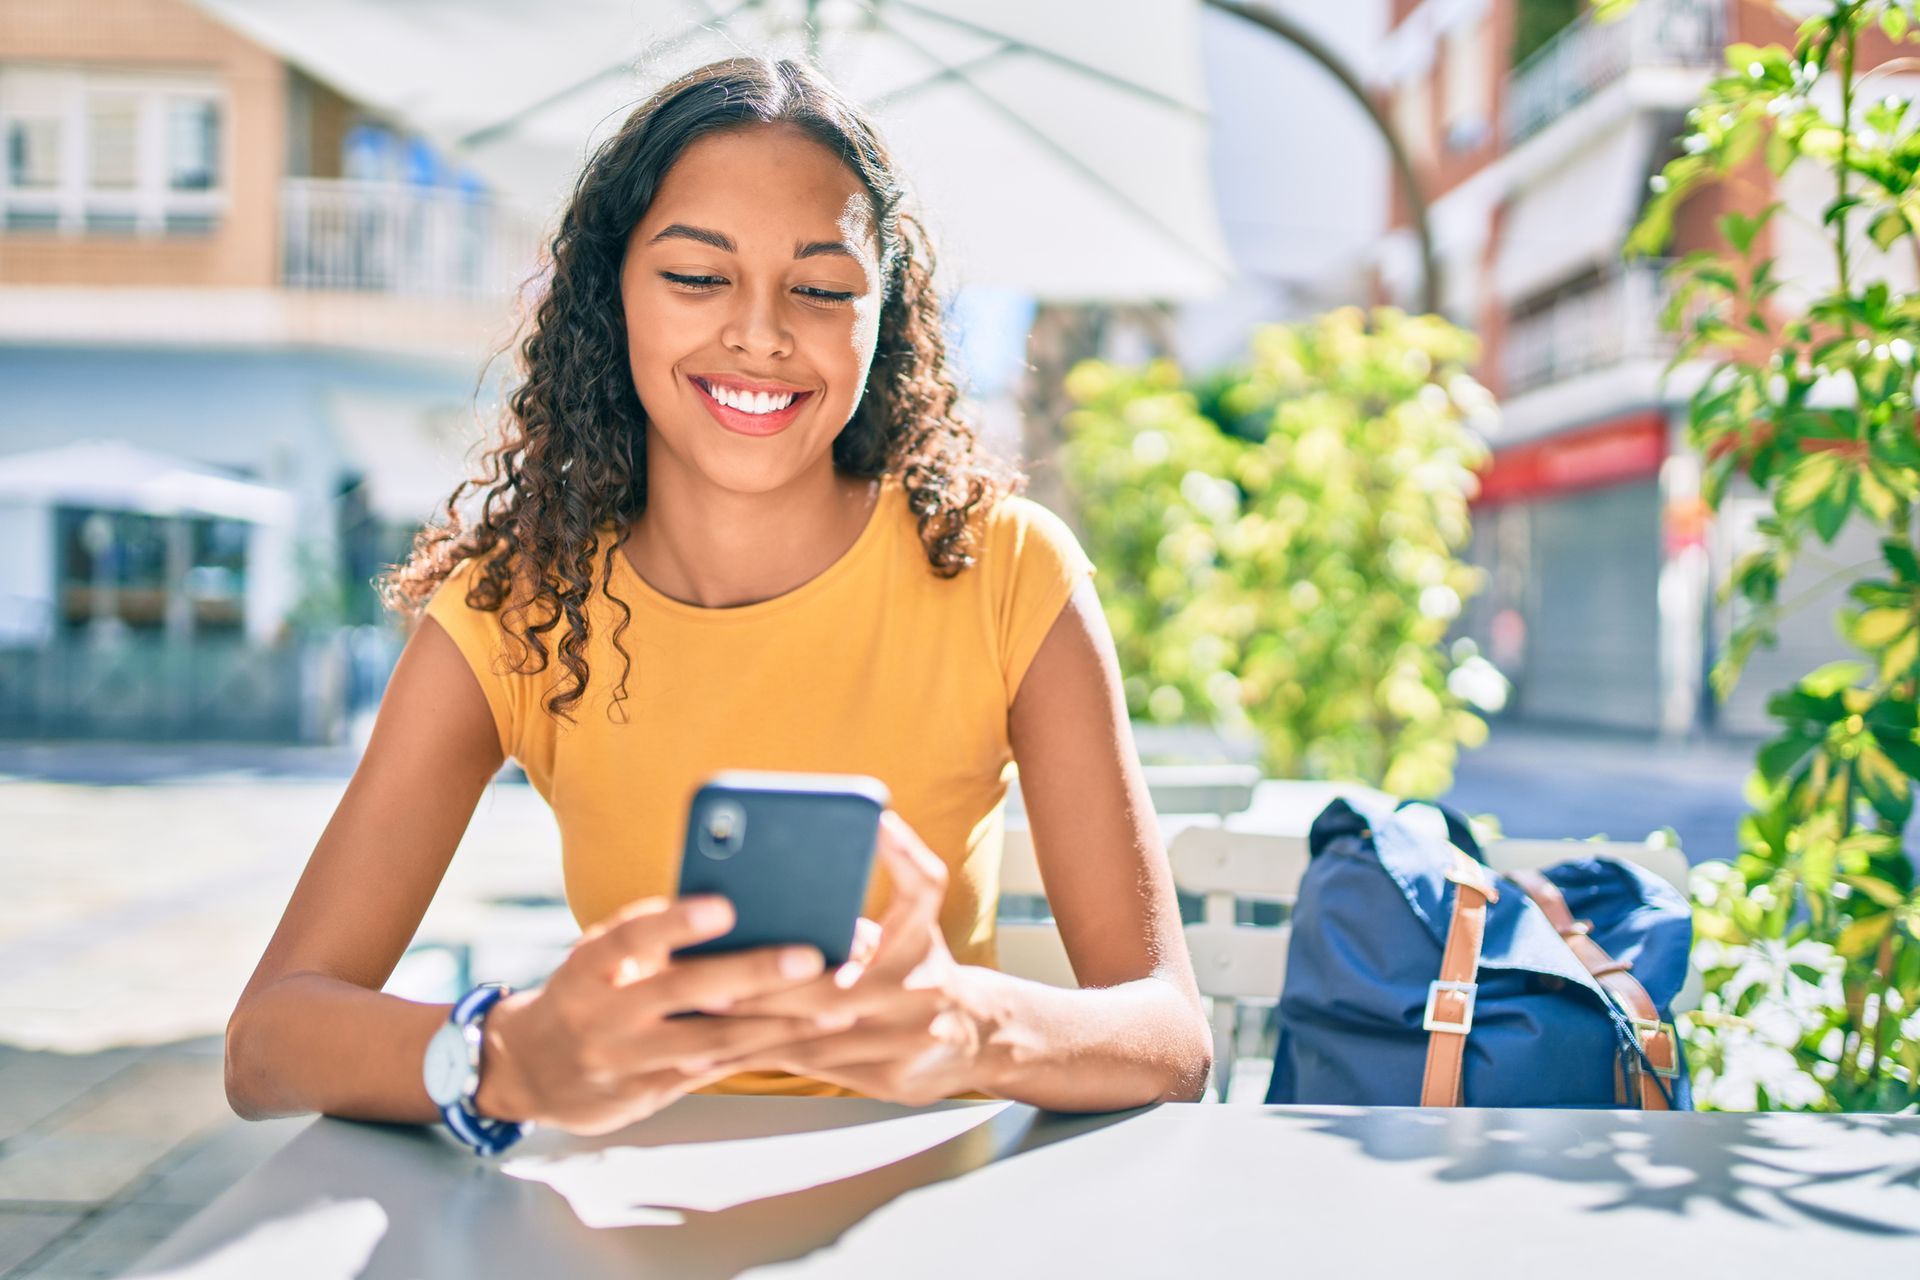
(800, 963)
(712, 914)
(834, 1021)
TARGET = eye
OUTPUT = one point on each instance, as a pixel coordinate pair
(824, 295)
(698, 284)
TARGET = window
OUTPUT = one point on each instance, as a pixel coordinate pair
(193, 145)
(96, 150)
(113, 129)
(33, 152)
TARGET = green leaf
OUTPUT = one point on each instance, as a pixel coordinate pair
(1877, 628)
(1886, 787)
(1893, 21)
(1810, 477)
(1863, 935)
(1881, 892)
(1887, 228)
(1832, 507)
(1900, 555)
(1825, 681)
(1782, 755)
(1739, 230)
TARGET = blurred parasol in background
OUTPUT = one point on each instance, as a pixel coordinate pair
(1060, 148)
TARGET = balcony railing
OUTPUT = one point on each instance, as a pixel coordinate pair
(1617, 319)
(1588, 56)
(382, 237)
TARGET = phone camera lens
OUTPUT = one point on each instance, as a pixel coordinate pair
(723, 830)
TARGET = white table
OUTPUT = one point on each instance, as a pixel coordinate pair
(992, 1190)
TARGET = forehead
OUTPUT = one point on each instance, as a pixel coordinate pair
(773, 182)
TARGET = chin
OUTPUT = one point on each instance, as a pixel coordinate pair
(751, 475)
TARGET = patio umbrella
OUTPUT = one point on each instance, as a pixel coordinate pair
(1059, 147)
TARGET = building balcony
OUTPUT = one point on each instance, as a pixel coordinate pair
(1588, 56)
(391, 238)
(1614, 320)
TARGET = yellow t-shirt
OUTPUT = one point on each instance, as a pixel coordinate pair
(875, 666)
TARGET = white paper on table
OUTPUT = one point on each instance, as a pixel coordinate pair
(621, 1186)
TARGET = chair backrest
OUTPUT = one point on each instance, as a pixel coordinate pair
(1031, 948)
(1185, 789)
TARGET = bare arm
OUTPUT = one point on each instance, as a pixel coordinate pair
(1136, 1032)
(312, 1030)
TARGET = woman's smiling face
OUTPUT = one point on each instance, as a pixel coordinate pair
(752, 296)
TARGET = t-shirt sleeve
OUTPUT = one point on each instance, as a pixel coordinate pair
(1037, 564)
(478, 634)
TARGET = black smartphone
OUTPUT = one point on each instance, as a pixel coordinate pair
(791, 851)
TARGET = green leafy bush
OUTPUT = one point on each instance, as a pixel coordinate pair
(1811, 937)
(1278, 543)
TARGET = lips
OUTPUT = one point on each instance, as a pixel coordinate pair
(746, 421)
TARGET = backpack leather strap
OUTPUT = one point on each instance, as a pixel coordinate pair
(1657, 1038)
(1450, 999)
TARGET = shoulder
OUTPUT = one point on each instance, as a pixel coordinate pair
(1020, 538)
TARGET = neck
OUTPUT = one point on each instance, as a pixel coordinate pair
(718, 548)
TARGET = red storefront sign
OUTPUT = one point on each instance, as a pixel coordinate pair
(1626, 449)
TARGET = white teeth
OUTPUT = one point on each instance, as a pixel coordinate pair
(751, 402)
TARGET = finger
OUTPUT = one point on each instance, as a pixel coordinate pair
(713, 983)
(695, 1045)
(636, 941)
(859, 1047)
(910, 855)
(818, 999)
(866, 938)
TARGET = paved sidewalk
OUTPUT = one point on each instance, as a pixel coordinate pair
(132, 918)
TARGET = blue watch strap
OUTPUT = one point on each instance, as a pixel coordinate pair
(486, 1136)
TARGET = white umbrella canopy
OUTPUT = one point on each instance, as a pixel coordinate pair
(1059, 147)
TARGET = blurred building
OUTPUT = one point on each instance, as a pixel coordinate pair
(1535, 130)
(212, 256)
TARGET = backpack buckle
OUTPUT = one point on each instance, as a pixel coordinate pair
(1645, 1027)
(1467, 989)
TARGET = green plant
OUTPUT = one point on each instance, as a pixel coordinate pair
(1811, 937)
(1278, 544)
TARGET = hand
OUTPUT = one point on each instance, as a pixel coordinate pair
(594, 1049)
(896, 1029)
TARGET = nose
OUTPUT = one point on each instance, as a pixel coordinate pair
(756, 326)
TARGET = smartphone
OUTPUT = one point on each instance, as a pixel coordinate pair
(791, 851)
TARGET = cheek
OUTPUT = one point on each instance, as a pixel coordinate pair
(866, 334)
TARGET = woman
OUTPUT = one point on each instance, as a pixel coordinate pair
(736, 523)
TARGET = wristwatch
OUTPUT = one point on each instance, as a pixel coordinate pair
(452, 1073)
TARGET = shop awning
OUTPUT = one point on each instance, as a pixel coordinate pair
(115, 476)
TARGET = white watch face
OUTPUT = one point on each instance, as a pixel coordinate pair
(446, 1069)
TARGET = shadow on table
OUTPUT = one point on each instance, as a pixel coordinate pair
(398, 1200)
(1746, 1164)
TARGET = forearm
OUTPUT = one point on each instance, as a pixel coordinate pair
(1104, 1049)
(312, 1043)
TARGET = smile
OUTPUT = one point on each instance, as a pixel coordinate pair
(748, 409)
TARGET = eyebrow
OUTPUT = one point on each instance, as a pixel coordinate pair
(723, 242)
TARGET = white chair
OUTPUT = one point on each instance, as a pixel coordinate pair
(1182, 796)
(1237, 965)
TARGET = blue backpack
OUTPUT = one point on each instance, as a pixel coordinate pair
(1416, 975)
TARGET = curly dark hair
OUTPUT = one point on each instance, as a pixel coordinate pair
(571, 456)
